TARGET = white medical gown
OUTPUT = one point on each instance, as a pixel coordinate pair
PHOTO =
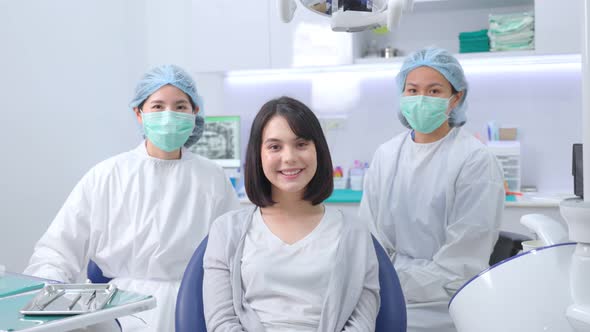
(436, 208)
(140, 219)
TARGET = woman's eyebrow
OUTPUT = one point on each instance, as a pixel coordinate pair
(162, 102)
(429, 85)
(271, 140)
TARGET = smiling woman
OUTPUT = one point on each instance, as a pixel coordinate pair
(291, 140)
(276, 267)
(288, 161)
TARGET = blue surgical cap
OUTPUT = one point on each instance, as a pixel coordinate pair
(446, 64)
(162, 75)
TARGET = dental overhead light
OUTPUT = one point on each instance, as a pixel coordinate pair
(351, 15)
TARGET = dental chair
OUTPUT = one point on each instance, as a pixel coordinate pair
(94, 274)
(189, 304)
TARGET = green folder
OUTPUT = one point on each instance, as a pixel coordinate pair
(12, 283)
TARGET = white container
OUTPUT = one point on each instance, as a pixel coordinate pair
(508, 154)
(356, 182)
(340, 183)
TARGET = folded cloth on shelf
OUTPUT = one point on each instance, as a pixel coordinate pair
(474, 48)
(518, 46)
(508, 32)
(514, 37)
(473, 35)
(510, 23)
(474, 41)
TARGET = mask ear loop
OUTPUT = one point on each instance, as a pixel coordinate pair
(449, 108)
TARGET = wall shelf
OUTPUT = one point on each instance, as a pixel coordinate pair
(470, 61)
(512, 57)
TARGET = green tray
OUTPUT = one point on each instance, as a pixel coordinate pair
(11, 284)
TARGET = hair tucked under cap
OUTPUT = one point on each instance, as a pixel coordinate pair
(446, 64)
(162, 75)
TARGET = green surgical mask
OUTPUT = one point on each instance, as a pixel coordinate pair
(168, 130)
(424, 114)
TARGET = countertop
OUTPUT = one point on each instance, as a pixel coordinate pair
(539, 199)
(338, 196)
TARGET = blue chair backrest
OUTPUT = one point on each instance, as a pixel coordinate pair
(95, 275)
(189, 304)
(190, 316)
(392, 314)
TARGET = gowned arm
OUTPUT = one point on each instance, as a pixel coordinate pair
(62, 252)
(470, 237)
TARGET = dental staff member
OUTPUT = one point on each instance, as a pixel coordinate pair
(291, 263)
(434, 193)
(141, 214)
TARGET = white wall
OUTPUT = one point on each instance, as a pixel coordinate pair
(67, 73)
(68, 70)
(544, 102)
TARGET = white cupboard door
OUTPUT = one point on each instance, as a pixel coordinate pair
(229, 35)
(558, 26)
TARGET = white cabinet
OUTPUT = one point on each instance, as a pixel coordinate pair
(228, 35)
(307, 40)
(167, 33)
(438, 24)
(222, 35)
(558, 26)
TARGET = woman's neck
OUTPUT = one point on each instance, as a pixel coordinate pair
(292, 204)
(292, 220)
(434, 136)
(154, 151)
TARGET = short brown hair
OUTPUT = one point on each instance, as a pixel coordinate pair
(305, 125)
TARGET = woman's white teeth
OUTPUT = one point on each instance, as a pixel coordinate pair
(289, 173)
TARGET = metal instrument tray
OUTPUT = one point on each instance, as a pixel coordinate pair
(69, 299)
